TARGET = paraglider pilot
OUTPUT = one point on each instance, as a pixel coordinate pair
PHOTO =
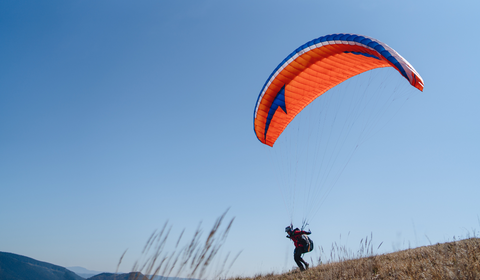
(302, 243)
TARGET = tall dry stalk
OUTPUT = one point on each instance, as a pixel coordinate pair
(192, 260)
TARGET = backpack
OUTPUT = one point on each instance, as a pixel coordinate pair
(308, 243)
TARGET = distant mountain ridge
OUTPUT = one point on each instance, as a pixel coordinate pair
(124, 276)
(132, 276)
(83, 272)
(17, 267)
(88, 274)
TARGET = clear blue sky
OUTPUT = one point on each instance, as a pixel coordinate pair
(116, 116)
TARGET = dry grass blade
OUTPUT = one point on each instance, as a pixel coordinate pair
(192, 260)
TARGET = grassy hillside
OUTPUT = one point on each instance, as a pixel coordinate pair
(453, 260)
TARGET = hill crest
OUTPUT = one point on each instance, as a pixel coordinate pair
(17, 267)
(451, 260)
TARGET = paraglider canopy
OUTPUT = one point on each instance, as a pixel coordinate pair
(313, 69)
